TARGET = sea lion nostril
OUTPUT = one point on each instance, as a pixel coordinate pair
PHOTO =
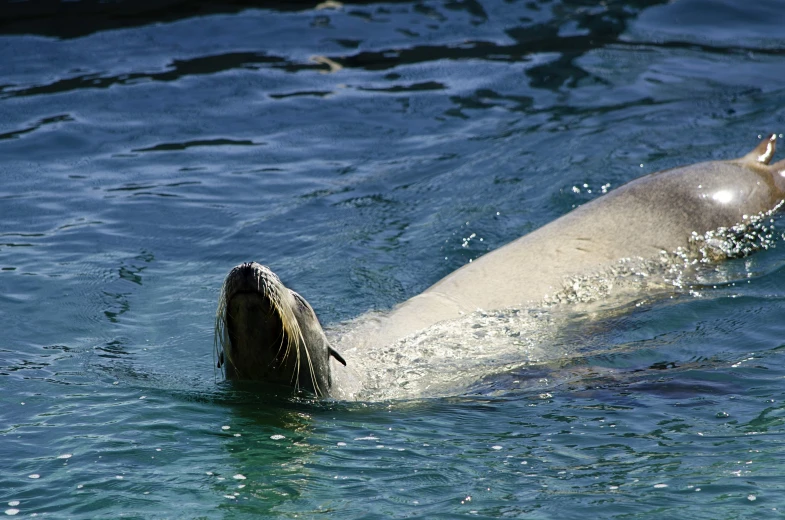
(245, 267)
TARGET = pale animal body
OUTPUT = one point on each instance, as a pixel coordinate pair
(655, 214)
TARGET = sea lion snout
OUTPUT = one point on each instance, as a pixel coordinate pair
(249, 277)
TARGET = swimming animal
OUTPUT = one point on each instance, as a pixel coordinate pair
(267, 332)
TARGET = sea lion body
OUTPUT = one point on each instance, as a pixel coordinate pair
(642, 219)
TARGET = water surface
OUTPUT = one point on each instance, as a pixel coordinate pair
(364, 151)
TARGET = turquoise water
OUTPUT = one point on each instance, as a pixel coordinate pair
(355, 149)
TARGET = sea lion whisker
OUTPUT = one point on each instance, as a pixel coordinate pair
(282, 338)
(312, 373)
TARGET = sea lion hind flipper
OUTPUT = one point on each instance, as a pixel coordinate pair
(764, 151)
(337, 355)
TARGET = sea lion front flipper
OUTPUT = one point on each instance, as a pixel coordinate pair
(763, 152)
(337, 355)
(779, 167)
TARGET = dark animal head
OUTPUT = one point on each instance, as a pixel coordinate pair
(267, 332)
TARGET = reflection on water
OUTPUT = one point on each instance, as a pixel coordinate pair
(362, 150)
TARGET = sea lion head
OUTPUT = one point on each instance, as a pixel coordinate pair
(264, 331)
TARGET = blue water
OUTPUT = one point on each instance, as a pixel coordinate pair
(355, 149)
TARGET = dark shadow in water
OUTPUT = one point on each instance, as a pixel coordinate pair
(590, 28)
(178, 69)
(696, 383)
(170, 147)
(594, 27)
(14, 134)
(74, 19)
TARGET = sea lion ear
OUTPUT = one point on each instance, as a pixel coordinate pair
(337, 355)
(764, 151)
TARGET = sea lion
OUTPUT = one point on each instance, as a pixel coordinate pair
(264, 331)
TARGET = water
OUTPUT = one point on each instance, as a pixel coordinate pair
(364, 152)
